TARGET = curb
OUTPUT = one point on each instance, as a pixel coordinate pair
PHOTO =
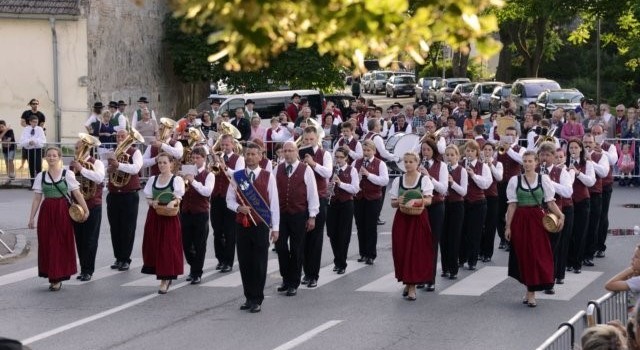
(21, 249)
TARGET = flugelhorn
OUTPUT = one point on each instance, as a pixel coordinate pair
(87, 187)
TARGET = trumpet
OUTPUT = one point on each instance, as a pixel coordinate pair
(215, 163)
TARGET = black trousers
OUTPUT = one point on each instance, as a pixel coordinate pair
(450, 240)
(366, 215)
(34, 158)
(489, 231)
(223, 222)
(591, 237)
(502, 209)
(603, 227)
(436, 221)
(472, 233)
(253, 251)
(560, 243)
(313, 244)
(87, 234)
(195, 231)
(339, 224)
(290, 247)
(576, 243)
(122, 212)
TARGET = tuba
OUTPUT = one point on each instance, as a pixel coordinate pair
(195, 136)
(319, 132)
(120, 178)
(87, 187)
(225, 128)
(166, 128)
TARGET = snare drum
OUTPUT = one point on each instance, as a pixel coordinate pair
(399, 144)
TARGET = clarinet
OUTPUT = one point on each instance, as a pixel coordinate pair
(450, 168)
(332, 184)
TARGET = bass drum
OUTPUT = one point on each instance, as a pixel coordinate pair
(399, 144)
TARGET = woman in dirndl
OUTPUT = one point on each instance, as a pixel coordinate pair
(531, 256)
(411, 241)
(162, 243)
(56, 243)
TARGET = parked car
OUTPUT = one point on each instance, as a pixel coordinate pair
(378, 80)
(499, 95)
(364, 82)
(464, 91)
(526, 90)
(421, 89)
(550, 100)
(342, 101)
(400, 85)
(481, 95)
(442, 89)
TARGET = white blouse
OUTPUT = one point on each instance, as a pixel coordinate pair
(72, 183)
(547, 187)
(426, 187)
(178, 187)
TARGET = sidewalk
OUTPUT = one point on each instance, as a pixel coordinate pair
(13, 246)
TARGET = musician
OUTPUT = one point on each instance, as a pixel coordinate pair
(164, 143)
(89, 172)
(400, 125)
(602, 169)
(367, 205)
(453, 213)
(491, 194)
(299, 206)
(611, 153)
(381, 151)
(436, 170)
(122, 203)
(563, 187)
(475, 204)
(241, 124)
(143, 103)
(510, 155)
(162, 243)
(430, 129)
(353, 147)
(222, 218)
(535, 129)
(194, 214)
(503, 118)
(183, 125)
(584, 177)
(477, 132)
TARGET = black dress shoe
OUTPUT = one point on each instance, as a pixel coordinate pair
(226, 268)
(502, 245)
(196, 280)
(124, 266)
(189, 278)
(219, 266)
(282, 288)
(312, 283)
(381, 222)
(588, 262)
(79, 277)
(246, 306)
(116, 265)
(420, 286)
(599, 254)
(507, 247)
(255, 308)
(85, 277)
(305, 280)
(453, 277)
(486, 259)
(369, 261)
(569, 268)
(559, 281)
(576, 271)
(430, 287)
(292, 291)
(341, 271)
(444, 274)
(471, 268)
(335, 268)
(362, 259)
(550, 291)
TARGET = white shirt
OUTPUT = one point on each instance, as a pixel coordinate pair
(379, 180)
(612, 154)
(38, 137)
(602, 166)
(70, 177)
(134, 117)
(547, 187)
(178, 186)
(392, 130)
(93, 118)
(205, 189)
(326, 169)
(386, 156)
(516, 156)
(484, 179)
(274, 204)
(269, 166)
(313, 200)
(239, 163)
(122, 120)
(426, 186)
(531, 136)
(134, 167)
(588, 178)
(97, 174)
(460, 188)
(175, 151)
(354, 186)
(355, 155)
(440, 184)
(564, 188)
(497, 171)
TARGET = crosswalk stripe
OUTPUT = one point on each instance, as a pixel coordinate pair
(19, 276)
(573, 284)
(478, 282)
(105, 272)
(327, 275)
(151, 281)
(235, 280)
(385, 284)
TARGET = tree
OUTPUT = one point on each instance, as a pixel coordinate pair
(251, 32)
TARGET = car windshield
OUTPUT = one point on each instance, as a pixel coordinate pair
(382, 76)
(454, 83)
(534, 89)
(565, 97)
(404, 80)
(467, 88)
(487, 89)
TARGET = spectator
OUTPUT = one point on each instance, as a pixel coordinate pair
(626, 163)
(557, 122)
(8, 140)
(331, 132)
(257, 131)
(469, 123)
(94, 117)
(453, 131)
(417, 125)
(604, 337)
(618, 122)
(572, 129)
(26, 115)
(355, 87)
(105, 132)
(33, 141)
(631, 130)
(207, 124)
(591, 118)
(460, 113)
(627, 279)
(605, 116)
(146, 126)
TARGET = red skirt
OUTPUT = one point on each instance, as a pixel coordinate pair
(531, 257)
(412, 248)
(162, 246)
(56, 242)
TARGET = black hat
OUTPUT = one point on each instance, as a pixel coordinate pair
(249, 101)
(113, 104)
(143, 99)
(215, 100)
(295, 94)
(98, 105)
(396, 104)
(122, 103)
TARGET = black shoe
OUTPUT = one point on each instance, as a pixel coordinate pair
(369, 261)
(559, 281)
(282, 288)
(569, 268)
(255, 308)
(335, 268)
(340, 271)
(196, 280)
(246, 306)
(362, 259)
(486, 259)
(507, 247)
(444, 274)
(124, 266)
(588, 262)
(419, 286)
(502, 245)
(79, 277)
(85, 277)
(549, 291)
(600, 254)
(305, 280)
(453, 277)
(116, 265)
(577, 270)
(380, 222)
(219, 266)
(312, 283)
(471, 268)
(292, 291)
(226, 268)
(189, 278)
(430, 287)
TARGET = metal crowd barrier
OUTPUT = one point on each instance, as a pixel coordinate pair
(609, 307)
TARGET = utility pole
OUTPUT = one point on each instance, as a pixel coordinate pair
(598, 67)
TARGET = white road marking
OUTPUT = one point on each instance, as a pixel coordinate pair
(152, 280)
(478, 282)
(327, 275)
(573, 284)
(19, 276)
(105, 272)
(235, 280)
(383, 233)
(307, 335)
(385, 284)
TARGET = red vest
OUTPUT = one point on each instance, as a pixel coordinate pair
(510, 166)
(492, 191)
(434, 171)
(321, 182)
(96, 200)
(134, 182)
(369, 136)
(261, 184)
(292, 190)
(597, 187)
(369, 190)
(580, 191)
(452, 195)
(607, 181)
(269, 140)
(474, 193)
(340, 195)
(481, 142)
(155, 171)
(192, 201)
(263, 163)
(222, 182)
(554, 175)
(352, 146)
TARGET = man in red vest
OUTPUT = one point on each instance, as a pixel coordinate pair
(294, 107)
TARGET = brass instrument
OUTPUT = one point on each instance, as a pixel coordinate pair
(227, 128)
(166, 128)
(502, 123)
(87, 187)
(319, 131)
(120, 178)
(434, 136)
(214, 163)
(195, 136)
(546, 136)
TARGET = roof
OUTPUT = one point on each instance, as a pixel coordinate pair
(40, 7)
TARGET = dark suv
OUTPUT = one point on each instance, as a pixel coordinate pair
(400, 85)
(526, 90)
(422, 88)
